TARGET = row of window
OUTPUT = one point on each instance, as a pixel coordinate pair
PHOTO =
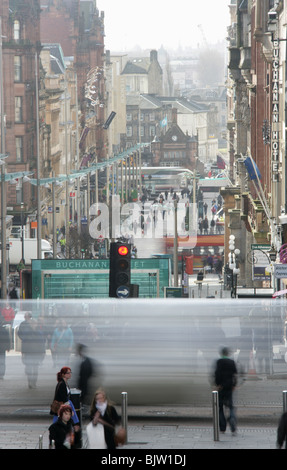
(151, 117)
(151, 131)
(174, 155)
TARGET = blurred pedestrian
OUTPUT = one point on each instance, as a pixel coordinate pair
(13, 294)
(8, 314)
(282, 431)
(20, 265)
(262, 346)
(63, 393)
(205, 225)
(85, 371)
(5, 345)
(62, 432)
(225, 377)
(62, 343)
(104, 418)
(218, 267)
(32, 348)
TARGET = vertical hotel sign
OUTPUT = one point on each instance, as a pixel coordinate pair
(275, 112)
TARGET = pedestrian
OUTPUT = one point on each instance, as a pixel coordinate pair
(85, 372)
(63, 244)
(225, 377)
(63, 394)
(205, 225)
(104, 418)
(212, 225)
(4, 346)
(210, 262)
(62, 431)
(218, 267)
(262, 345)
(32, 348)
(20, 265)
(282, 431)
(199, 279)
(13, 294)
(8, 314)
(62, 343)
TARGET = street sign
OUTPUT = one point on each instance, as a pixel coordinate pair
(260, 261)
(123, 292)
(280, 271)
(172, 292)
(260, 246)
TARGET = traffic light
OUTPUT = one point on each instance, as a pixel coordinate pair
(120, 270)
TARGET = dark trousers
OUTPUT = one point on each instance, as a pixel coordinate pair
(225, 400)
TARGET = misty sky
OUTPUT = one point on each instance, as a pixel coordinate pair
(153, 23)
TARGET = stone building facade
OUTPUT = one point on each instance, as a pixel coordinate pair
(256, 106)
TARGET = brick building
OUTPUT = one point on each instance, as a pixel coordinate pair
(20, 44)
(78, 27)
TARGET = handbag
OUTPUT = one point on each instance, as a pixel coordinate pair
(55, 406)
(120, 437)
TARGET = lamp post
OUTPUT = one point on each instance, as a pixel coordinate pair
(22, 232)
(3, 184)
(233, 262)
(39, 217)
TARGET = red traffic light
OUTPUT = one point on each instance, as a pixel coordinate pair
(123, 250)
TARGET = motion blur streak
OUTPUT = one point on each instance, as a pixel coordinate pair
(162, 351)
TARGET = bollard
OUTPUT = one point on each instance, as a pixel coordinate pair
(40, 441)
(124, 413)
(284, 393)
(215, 409)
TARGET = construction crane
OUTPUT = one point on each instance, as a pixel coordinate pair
(203, 35)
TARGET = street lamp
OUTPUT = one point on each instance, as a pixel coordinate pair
(3, 184)
(22, 231)
(233, 264)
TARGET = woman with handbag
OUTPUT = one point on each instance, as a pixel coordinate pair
(62, 395)
(104, 418)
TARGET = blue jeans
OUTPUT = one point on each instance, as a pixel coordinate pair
(225, 400)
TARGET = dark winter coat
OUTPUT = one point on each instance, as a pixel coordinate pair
(225, 374)
(58, 433)
(4, 339)
(112, 418)
(282, 431)
(85, 373)
(33, 342)
(62, 392)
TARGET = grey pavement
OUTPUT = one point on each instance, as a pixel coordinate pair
(35, 435)
(151, 428)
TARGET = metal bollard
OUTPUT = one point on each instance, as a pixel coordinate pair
(124, 413)
(284, 393)
(40, 441)
(215, 409)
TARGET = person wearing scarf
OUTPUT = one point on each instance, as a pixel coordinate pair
(103, 419)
